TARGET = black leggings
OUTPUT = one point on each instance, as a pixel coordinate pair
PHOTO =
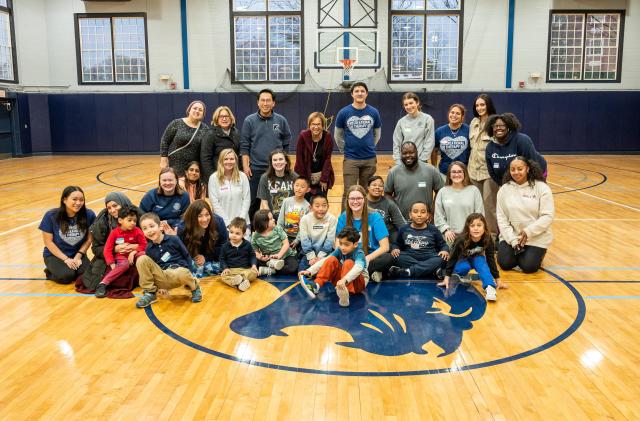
(381, 264)
(529, 260)
(60, 272)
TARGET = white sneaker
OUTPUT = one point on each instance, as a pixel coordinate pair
(376, 277)
(235, 280)
(265, 271)
(491, 293)
(343, 296)
(276, 264)
(244, 285)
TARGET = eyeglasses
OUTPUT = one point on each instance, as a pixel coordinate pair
(499, 126)
(457, 172)
(356, 199)
(224, 116)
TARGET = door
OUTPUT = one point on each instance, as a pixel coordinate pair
(6, 138)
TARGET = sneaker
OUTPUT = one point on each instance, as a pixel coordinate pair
(398, 272)
(376, 276)
(211, 268)
(235, 280)
(244, 285)
(101, 290)
(491, 293)
(343, 296)
(310, 286)
(276, 264)
(265, 271)
(439, 274)
(146, 300)
(196, 295)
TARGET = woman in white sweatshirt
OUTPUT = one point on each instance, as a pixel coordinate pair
(525, 211)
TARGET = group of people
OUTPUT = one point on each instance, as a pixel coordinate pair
(263, 217)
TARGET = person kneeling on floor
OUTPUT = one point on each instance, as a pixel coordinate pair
(165, 265)
(345, 268)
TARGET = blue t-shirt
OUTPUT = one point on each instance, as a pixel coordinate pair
(358, 125)
(453, 145)
(377, 229)
(70, 242)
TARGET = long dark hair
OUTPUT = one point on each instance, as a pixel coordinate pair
(64, 220)
(534, 174)
(200, 186)
(271, 173)
(465, 237)
(491, 109)
(193, 232)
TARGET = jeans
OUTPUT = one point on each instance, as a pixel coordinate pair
(479, 263)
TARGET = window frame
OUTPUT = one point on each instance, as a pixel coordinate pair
(425, 13)
(12, 33)
(585, 12)
(266, 14)
(78, 16)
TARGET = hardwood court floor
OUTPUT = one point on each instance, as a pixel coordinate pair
(558, 344)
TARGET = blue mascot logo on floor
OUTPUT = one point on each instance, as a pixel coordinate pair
(390, 318)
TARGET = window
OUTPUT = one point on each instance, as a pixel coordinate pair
(267, 38)
(585, 46)
(112, 49)
(8, 65)
(425, 40)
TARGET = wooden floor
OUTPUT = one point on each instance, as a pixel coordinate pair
(559, 344)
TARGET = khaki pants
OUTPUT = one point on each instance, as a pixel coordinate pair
(489, 190)
(152, 277)
(245, 273)
(357, 171)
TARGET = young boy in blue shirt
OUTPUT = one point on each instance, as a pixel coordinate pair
(419, 250)
(165, 265)
(345, 268)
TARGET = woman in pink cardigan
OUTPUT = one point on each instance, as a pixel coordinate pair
(313, 154)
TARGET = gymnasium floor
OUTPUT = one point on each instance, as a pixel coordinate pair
(558, 344)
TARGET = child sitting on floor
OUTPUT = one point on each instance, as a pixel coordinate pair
(125, 233)
(474, 249)
(165, 265)
(317, 232)
(420, 250)
(237, 258)
(345, 268)
(293, 209)
(272, 246)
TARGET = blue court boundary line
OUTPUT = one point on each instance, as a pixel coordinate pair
(604, 282)
(612, 297)
(579, 319)
(23, 279)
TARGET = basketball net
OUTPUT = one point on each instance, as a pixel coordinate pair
(347, 67)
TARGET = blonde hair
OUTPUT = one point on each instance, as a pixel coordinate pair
(216, 115)
(314, 115)
(235, 173)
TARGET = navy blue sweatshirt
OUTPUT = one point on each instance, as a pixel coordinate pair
(500, 155)
(421, 244)
(241, 256)
(223, 237)
(168, 208)
(261, 135)
(169, 253)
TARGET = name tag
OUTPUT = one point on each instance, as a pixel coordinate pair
(422, 184)
(318, 227)
(165, 257)
(224, 188)
(120, 240)
(274, 191)
(496, 165)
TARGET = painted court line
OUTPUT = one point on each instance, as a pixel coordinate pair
(23, 279)
(604, 282)
(591, 268)
(612, 297)
(596, 219)
(596, 197)
(87, 203)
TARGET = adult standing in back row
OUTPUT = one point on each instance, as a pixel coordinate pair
(262, 133)
(357, 133)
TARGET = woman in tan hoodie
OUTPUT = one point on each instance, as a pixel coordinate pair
(525, 211)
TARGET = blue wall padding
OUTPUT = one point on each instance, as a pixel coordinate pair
(588, 121)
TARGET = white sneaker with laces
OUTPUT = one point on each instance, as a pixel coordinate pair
(491, 293)
(244, 285)
(376, 277)
(276, 264)
(265, 271)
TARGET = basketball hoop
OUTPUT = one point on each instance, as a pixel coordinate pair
(347, 67)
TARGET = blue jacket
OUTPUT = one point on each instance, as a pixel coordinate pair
(168, 208)
(169, 253)
(500, 155)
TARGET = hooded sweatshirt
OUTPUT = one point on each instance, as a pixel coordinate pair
(500, 155)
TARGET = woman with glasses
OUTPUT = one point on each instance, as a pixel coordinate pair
(455, 202)
(313, 155)
(223, 135)
(374, 237)
(508, 143)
